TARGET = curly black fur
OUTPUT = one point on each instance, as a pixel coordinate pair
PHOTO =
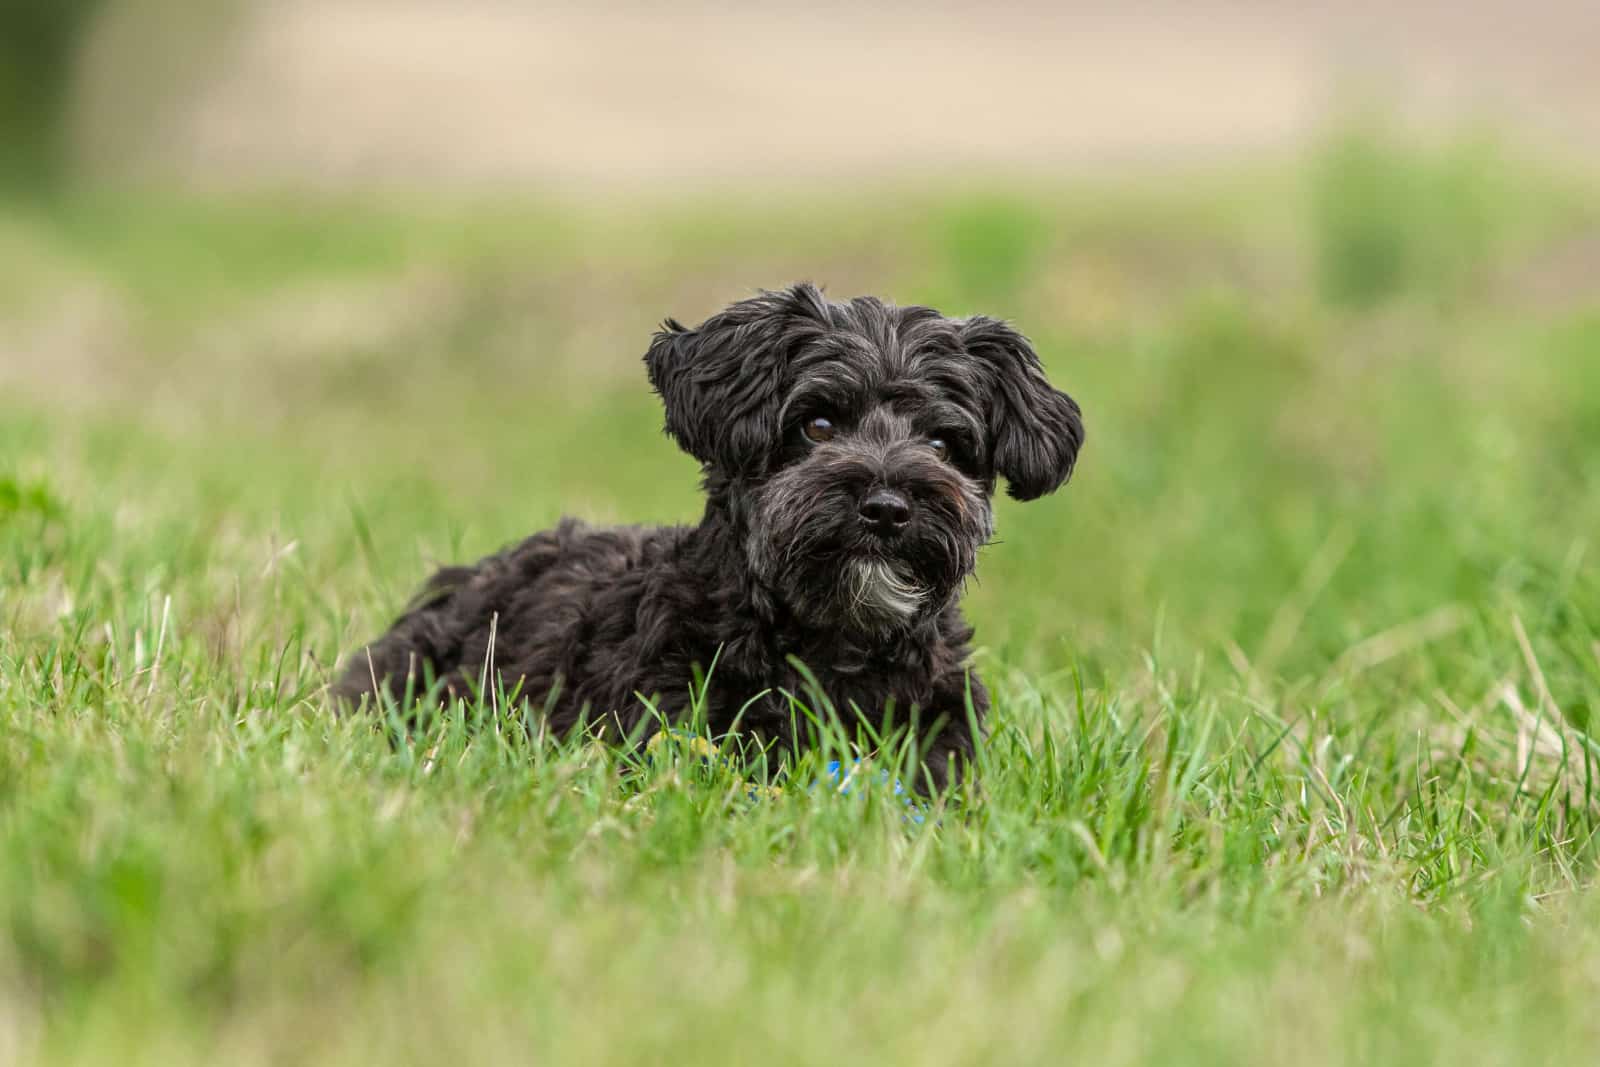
(791, 580)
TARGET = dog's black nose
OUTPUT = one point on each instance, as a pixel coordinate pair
(885, 512)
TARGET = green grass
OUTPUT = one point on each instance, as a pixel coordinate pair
(1289, 760)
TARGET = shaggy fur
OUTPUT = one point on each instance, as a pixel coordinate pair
(831, 554)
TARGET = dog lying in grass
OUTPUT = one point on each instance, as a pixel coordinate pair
(850, 452)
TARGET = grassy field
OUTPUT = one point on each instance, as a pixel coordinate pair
(1290, 758)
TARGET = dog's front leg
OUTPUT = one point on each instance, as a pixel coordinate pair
(948, 759)
(949, 752)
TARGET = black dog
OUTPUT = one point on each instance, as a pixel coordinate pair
(849, 453)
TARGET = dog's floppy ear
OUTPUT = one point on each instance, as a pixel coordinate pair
(1036, 430)
(722, 381)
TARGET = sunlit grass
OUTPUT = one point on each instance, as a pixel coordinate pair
(1289, 758)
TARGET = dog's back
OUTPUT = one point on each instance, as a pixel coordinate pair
(514, 618)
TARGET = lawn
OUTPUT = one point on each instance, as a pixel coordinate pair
(1290, 758)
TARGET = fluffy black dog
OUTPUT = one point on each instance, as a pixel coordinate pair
(849, 451)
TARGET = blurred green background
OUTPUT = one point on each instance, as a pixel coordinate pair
(298, 300)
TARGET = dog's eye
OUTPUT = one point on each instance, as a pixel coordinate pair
(818, 429)
(940, 448)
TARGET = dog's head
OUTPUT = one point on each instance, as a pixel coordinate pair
(858, 444)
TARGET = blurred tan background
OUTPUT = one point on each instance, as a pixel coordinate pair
(480, 93)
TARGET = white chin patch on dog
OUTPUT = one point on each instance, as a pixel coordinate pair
(878, 594)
